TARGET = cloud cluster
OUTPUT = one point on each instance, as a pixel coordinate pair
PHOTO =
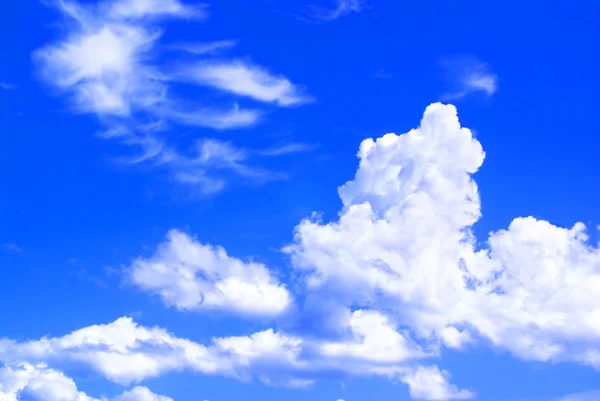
(107, 64)
(26, 382)
(398, 277)
(403, 244)
(127, 353)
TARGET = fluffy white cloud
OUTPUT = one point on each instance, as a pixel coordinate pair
(247, 80)
(431, 383)
(126, 353)
(403, 244)
(189, 275)
(372, 338)
(26, 382)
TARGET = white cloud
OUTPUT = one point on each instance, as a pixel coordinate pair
(127, 353)
(403, 244)
(469, 75)
(108, 65)
(249, 80)
(215, 119)
(373, 338)
(153, 8)
(286, 149)
(191, 276)
(205, 47)
(102, 66)
(341, 9)
(12, 247)
(431, 383)
(25, 382)
(585, 396)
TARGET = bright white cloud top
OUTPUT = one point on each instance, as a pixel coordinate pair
(39, 383)
(400, 268)
(403, 244)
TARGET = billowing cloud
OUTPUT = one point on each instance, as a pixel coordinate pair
(127, 353)
(403, 244)
(26, 382)
(372, 338)
(431, 383)
(191, 276)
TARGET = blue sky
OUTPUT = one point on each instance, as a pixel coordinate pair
(200, 201)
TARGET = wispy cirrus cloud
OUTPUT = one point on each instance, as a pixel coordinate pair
(468, 75)
(203, 48)
(287, 148)
(155, 8)
(107, 64)
(340, 9)
(12, 247)
(6, 86)
(245, 79)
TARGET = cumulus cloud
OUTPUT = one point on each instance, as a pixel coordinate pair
(399, 274)
(403, 244)
(431, 383)
(26, 382)
(469, 75)
(191, 276)
(373, 338)
(127, 353)
(248, 80)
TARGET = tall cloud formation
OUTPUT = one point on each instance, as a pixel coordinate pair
(403, 244)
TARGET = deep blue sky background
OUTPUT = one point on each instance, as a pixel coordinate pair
(73, 213)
